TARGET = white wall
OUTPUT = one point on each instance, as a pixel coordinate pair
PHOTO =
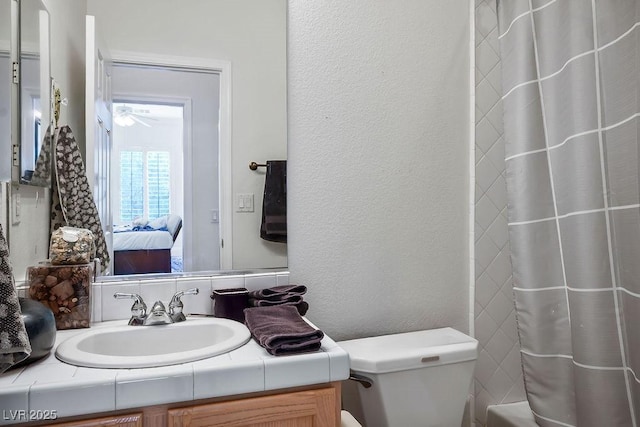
(378, 100)
(67, 27)
(251, 34)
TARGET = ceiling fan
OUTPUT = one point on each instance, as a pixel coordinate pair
(126, 115)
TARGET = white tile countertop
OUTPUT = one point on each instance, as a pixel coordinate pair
(51, 385)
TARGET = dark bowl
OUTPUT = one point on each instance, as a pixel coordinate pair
(41, 329)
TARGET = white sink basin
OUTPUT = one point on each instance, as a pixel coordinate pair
(148, 346)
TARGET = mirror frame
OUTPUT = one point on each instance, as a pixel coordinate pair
(15, 91)
(45, 84)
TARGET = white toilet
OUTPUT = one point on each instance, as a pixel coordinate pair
(414, 379)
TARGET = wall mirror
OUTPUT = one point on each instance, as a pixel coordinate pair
(166, 146)
(7, 15)
(34, 102)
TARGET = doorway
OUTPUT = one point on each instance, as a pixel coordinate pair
(165, 156)
(148, 171)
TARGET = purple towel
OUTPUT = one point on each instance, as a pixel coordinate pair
(281, 330)
(297, 302)
(274, 203)
(279, 292)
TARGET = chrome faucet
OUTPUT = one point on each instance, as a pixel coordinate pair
(176, 306)
(158, 314)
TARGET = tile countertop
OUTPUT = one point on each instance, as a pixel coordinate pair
(32, 392)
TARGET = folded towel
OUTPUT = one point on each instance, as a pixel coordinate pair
(294, 299)
(274, 203)
(279, 291)
(298, 303)
(280, 295)
(281, 330)
(14, 341)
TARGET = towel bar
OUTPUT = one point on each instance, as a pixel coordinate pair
(254, 166)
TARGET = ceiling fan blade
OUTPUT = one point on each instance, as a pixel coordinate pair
(139, 121)
(140, 116)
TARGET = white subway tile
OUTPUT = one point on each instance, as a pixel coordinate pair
(117, 309)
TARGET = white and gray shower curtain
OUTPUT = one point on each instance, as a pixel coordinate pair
(571, 95)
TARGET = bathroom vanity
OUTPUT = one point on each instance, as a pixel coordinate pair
(245, 386)
(307, 406)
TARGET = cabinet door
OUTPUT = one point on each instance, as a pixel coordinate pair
(312, 408)
(129, 420)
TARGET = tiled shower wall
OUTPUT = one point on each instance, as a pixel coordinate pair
(498, 377)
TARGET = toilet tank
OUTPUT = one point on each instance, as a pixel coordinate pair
(417, 378)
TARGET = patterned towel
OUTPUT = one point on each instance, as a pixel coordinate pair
(72, 201)
(14, 341)
(42, 173)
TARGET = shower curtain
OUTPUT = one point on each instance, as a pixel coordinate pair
(571, 89)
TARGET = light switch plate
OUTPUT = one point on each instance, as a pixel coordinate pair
(244, 202)
(17, 208)
(215, 216)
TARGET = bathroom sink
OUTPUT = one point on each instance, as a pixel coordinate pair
(127, 346)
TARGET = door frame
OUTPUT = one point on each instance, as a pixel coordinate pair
(223, 68)
(187, 158)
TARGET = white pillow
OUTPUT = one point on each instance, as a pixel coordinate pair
(159, 223)
(173, 221)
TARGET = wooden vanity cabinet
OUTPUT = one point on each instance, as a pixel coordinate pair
(128, 420)
(312, 406)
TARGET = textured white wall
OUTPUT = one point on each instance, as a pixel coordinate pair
(378, 174)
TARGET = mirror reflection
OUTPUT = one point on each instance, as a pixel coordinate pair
(192, 106)
(5, 89)
(34, 88)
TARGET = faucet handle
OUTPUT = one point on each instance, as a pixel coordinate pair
(176, 306)
(138, 309)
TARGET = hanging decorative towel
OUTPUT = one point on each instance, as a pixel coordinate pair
(42, 173)
(14, 341)
(72, 201)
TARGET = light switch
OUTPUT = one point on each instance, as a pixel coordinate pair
(15, 220)
(244, 202)
(215, 218)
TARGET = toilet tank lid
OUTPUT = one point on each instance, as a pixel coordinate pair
(410, 350)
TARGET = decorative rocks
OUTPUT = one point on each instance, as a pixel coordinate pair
(70, 245)
(65, 290)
